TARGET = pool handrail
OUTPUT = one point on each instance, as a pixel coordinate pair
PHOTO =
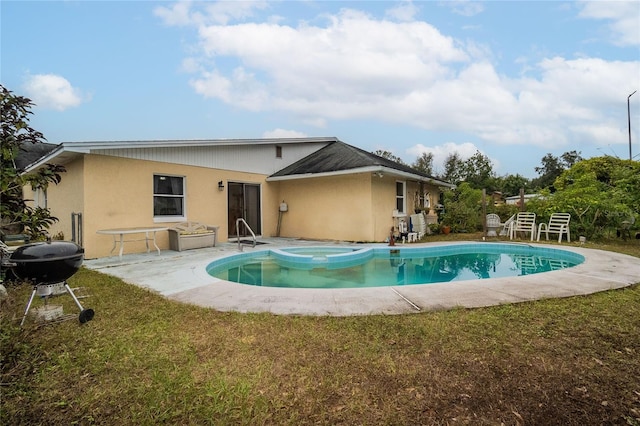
(241, 220)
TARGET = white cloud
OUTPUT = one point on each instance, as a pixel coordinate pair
(409, 74)
(441, 152)
(465, 7)
(406, 11)
(191, 65)
(213, 85)
(52, 91)
(225, 11)
(183, 12)
(316, 122)
(344, 70)
(179, 14)
(622, 17)
(283, 133)
(241, 88)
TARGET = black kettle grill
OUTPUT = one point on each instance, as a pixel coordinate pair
(47, 263)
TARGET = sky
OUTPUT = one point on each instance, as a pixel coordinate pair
(514, 80)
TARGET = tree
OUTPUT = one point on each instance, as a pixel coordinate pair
(16, 134)
(570, 158)
(510, 185)
(454, 168)
(599, 193)
(478, 172)
(550, 170)
(552, 167)
(424, 163)
(388, 155)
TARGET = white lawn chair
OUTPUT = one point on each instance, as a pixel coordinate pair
(558, 224)
(525, 222)
(493, 224)
(506, 226)
(419, 225)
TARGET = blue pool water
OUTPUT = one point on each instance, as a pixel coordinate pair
(348, 267)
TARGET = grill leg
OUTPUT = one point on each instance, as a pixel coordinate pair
(75, 299)
(85, 314)
(26, 311)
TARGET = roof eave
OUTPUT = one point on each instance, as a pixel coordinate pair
(44, 159)
(419, 178)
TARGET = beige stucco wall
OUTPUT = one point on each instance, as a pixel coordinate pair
(118, 192)
(356, 207)
(71, 200)
(335, 208)
(64, 198)
(113, 192)
(383, 204)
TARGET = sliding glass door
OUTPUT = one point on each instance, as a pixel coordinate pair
(244, 202)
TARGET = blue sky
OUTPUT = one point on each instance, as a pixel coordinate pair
(514, 80)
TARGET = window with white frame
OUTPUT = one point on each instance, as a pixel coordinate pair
(40, 197)
(423, 200)
(401, 204)
(168, 197)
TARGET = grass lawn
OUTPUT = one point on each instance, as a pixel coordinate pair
(146, 360)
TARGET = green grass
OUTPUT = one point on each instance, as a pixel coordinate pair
(146, 360)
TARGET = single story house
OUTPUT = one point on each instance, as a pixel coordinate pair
(332, 190)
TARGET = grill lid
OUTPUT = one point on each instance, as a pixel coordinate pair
(47, 262)
(46, 252)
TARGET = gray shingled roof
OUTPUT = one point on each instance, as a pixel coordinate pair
(31, 152)
(339, 156)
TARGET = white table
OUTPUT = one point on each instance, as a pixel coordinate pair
(119, 233)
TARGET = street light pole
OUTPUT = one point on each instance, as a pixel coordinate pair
(629, 120)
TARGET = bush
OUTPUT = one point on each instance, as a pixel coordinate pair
(599, 193)
(463, 209)
(15, 134)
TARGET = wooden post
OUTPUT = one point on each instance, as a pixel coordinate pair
(522, 208)
(484, 213)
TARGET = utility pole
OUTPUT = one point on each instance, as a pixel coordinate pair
(629, 120)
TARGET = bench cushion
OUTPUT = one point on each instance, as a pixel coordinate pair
(190, 235)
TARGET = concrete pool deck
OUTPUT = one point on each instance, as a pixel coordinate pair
(181, 276)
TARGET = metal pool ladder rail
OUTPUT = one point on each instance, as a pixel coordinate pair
(241, 220)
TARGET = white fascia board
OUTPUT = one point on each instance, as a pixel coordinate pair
(370, 169)
(87, 147)
(419, 178)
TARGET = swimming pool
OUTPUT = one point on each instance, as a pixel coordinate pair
(349, 267)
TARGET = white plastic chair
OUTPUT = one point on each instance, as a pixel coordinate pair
(558, 224)
(506, 226)
(525, 222)
(419, 224)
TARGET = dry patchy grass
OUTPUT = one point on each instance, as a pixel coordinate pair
(148, 360)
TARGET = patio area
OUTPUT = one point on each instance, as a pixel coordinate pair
(182, 276)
